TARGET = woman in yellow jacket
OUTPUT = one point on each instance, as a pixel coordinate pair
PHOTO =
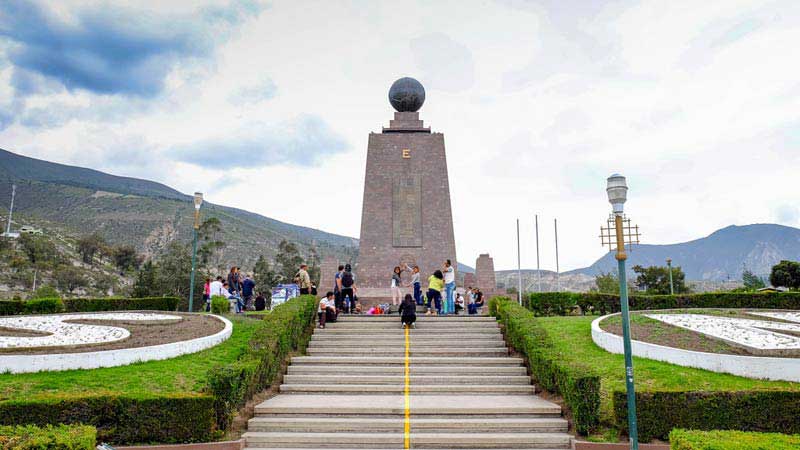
(435, 287)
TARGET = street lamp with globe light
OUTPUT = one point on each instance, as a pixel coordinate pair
(618, 234)
(198, 202)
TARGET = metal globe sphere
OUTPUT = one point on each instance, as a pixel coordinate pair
(407, 95)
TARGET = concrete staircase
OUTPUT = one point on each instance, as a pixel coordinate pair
(465, 391)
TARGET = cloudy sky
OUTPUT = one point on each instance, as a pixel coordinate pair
(267, 107)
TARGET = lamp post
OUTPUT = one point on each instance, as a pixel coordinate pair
(617, 191)
(669, 267)
(198, 202)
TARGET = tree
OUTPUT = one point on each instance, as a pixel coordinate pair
(655, 279)
(174, 267)
(88, 246)
(785, 274)
(607, 283)
(145, 283)
(68, 278)
(287, 260)
(751, 281)
(45, 291)
(125, 258)
(210, 244)
(264, 276)
(37, 248)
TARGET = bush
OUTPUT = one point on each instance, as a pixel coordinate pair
(220, 305)
(577, 384)
(120, 304)
(45, 292)
(61, 437)
(287, 328)
(561, 303)
(731, 440)
(43, 306)
(122, 419)
(658, 413)
(11, 307)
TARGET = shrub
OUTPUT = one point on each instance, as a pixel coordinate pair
(731, 440)
(121, 419)
(43, 306)
(287, 328)
(11, 307)
(658, 413)
(61, 437)
(120, 304)
(220, 305)
(579, 386)
(45, 292)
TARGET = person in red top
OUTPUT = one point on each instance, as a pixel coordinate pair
(207, 294)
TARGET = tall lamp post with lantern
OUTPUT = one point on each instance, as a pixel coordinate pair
(198, 202)
(671, 286)
(617, 233)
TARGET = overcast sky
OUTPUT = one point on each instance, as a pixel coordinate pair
(268, 106)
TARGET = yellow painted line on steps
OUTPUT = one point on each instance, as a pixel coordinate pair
(407, 420)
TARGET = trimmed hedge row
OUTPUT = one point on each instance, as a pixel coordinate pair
(562, 303)
(658, 413)
(56, 305)
(577, 384)
(61, 437)
(122, 419)
(287, 328)
(731, 440)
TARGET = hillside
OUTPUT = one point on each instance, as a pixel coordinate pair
(76, 201)
(720, 256)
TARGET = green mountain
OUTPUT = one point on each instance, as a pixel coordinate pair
(76, 201)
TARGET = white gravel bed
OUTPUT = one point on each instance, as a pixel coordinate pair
(749, 333)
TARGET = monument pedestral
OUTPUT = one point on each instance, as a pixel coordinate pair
(406, 216)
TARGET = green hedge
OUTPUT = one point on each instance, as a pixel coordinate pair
(577, 384)
(61, 437)
(287, 328)
(56, 305)
(562, 303)
(658, 413)
(731, 440)
(220, 305)
(122, 419)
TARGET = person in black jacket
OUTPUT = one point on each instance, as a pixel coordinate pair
(408, 311)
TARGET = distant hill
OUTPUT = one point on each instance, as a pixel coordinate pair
(721, 256)
(77, 201)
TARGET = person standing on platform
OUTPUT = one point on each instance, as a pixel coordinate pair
(435, 286)
(415, 283)
(395, 284)
(248, 292)
(303, 280)
(349, 289)
(337, 288)
(449, 288)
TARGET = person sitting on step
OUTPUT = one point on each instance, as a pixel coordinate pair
(326, 310)
(408, 311)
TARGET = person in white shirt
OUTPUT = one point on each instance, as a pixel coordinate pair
(215, 288)
(327, 309)
(449, 288)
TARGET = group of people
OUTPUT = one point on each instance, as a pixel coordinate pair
(238, 288)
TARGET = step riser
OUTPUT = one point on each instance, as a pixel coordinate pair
(398, 379)
(476, 371)
(419, 360)
(344, 428)
(400, 352)
(439, 441)
(359, 341)
(399, 332)
(398, 389)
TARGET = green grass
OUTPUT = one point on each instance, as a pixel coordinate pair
(573, 340)
(178, 375)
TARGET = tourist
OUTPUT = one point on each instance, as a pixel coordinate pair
(416, 285)
(207, 294)
(248, 289)
(450, 287)
(261, 302)
(215, 289)
(348, 282)
(303, 280)
(337, 288)
(396, 294)
(326, 310)
(459, 304)
(408, 311)
(435, 286)
(474, 307)
(234, 281)
(232, 295)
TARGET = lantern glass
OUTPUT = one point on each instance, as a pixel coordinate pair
(617, 191)
(198, 200)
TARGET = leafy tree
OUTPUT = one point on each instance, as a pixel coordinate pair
(785, 274)
(655, 279)
(90, 245)
(607, 283)
(288, 260)
(105, 283)
(210, 243)
(264, 276)
(45, 291)
(751, 281)
(145, 283)
(38, 249)
(68, 278)
(125, 258)
(174, 267)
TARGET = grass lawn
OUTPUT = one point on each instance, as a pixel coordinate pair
(178, 375)
(573, 339)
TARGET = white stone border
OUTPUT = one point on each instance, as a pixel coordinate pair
(111, 358)
(759, 367)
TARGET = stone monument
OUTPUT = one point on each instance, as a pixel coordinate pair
(485, 277)
(406, 216)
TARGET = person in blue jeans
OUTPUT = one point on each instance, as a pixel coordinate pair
(449, 288)
(435, 286)
(417, 285)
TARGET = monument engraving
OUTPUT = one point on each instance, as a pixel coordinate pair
(407, 212)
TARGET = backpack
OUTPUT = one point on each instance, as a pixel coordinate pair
(347, 279)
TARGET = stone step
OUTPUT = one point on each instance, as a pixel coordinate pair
(330, 329)
(414, 360)
(420, 344)
(396, 424)
(421, 325)
(400, 351)
(420, 318)
(421, 405)
(357, 378)
(438, 371)
(427, 389)
(400, 340)
(418, 440)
